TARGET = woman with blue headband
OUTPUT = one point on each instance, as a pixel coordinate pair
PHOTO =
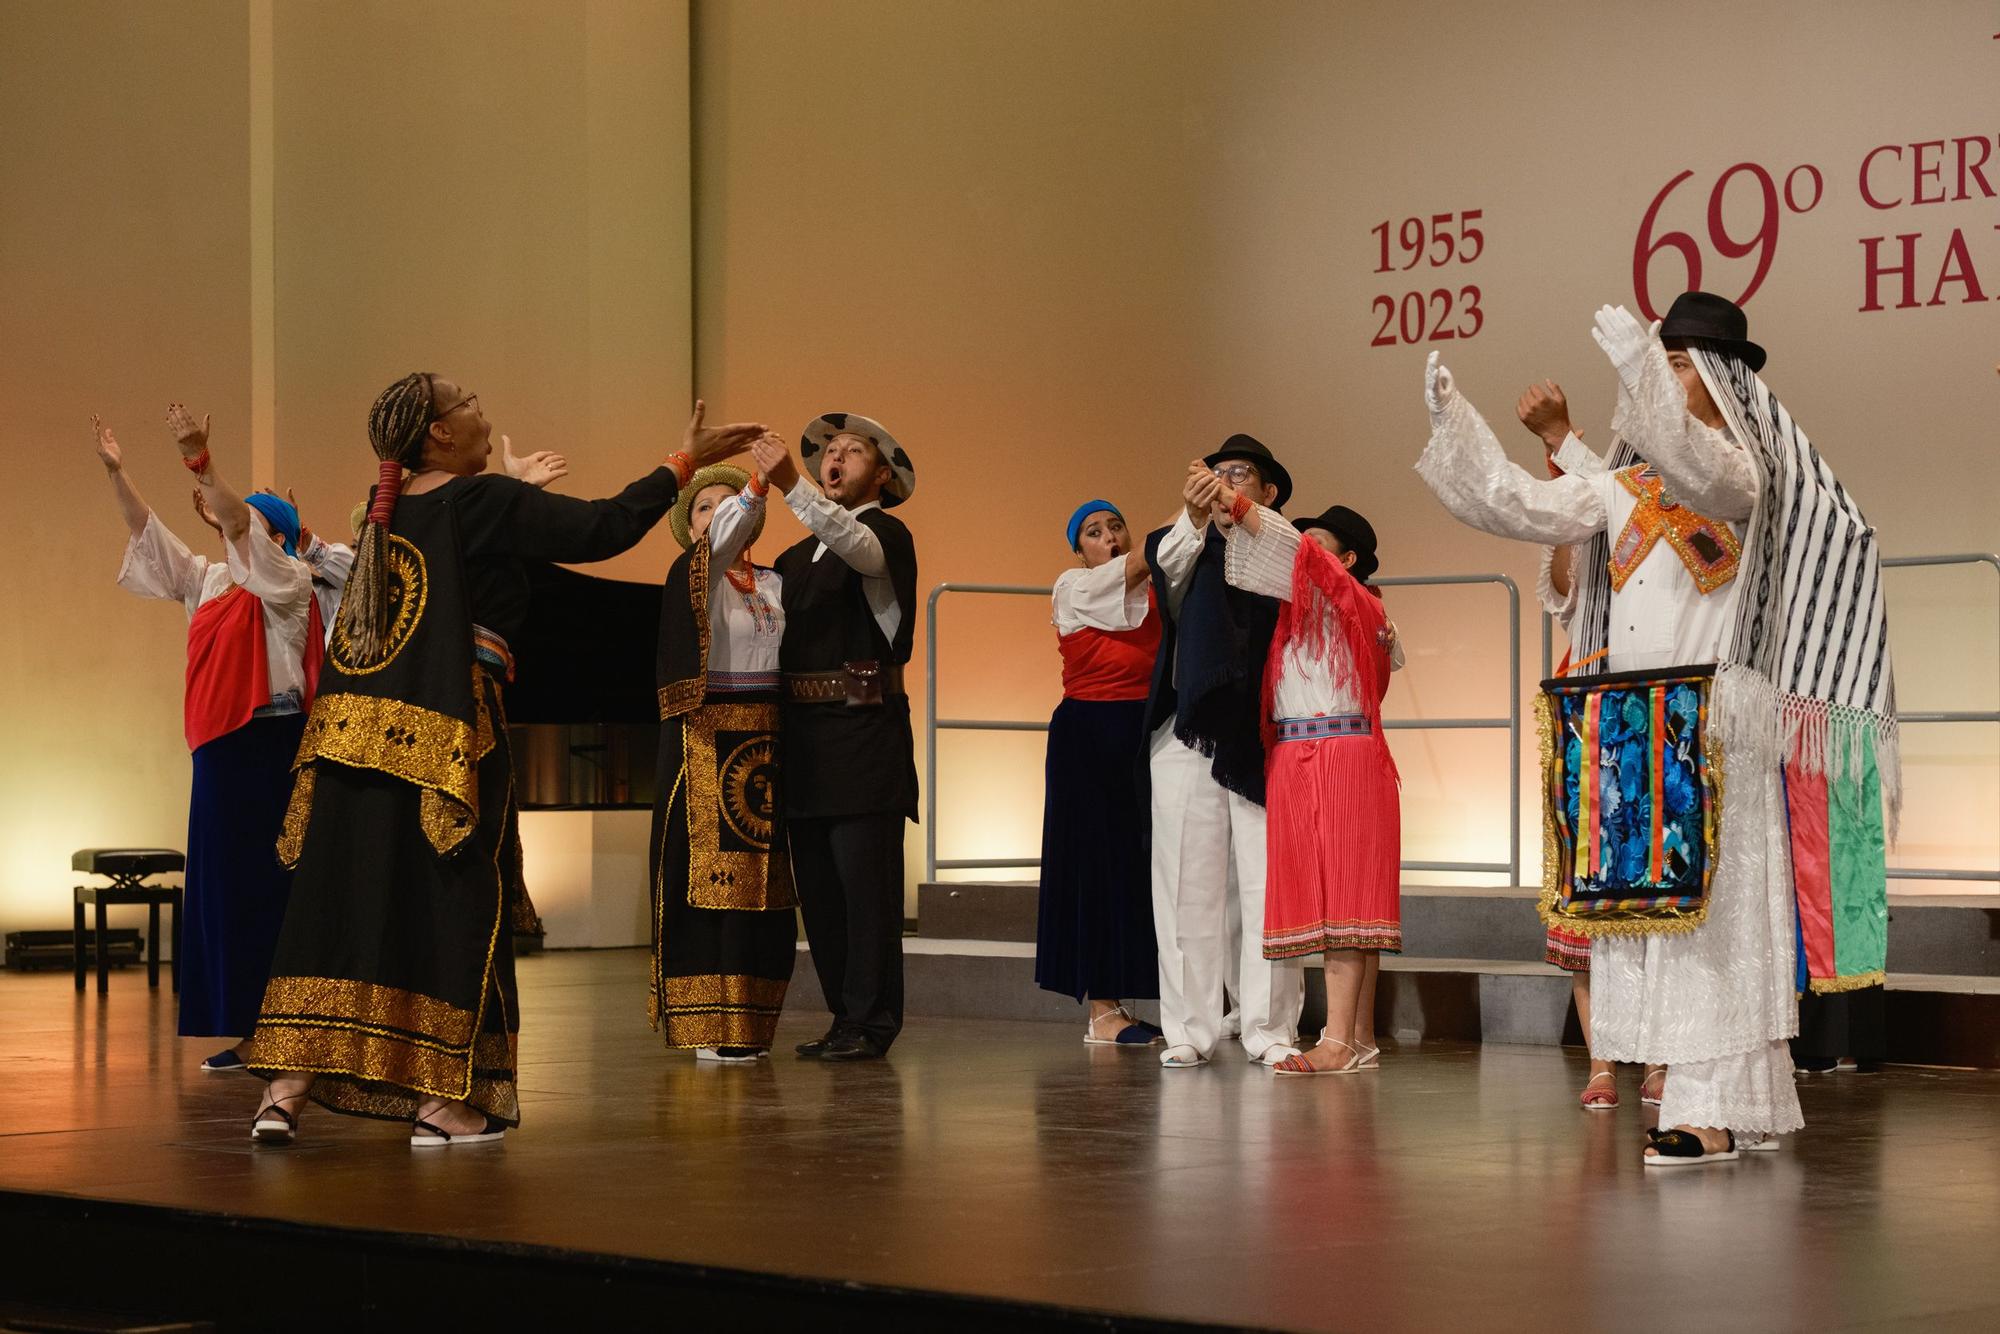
(1095, 941)
(254, 640)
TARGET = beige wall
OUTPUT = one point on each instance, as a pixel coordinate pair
(1058, 248)
(495, 191)
(124, 282)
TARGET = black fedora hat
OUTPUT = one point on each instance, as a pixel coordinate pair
(1252, 450)
(1356, 534)
(1707, 318)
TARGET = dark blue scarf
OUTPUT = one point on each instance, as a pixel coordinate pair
(1209, 677)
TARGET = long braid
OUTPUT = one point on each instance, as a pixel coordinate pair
(397, 424)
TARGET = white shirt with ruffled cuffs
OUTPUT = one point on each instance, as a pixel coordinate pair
(745, 625)
(159, 565)
(1097, 599)
(1660, 618)
(1310, 685)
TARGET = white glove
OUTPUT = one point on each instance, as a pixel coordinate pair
(1438, 389)
(1625, 341)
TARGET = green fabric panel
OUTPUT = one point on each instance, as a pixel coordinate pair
(1860, 868)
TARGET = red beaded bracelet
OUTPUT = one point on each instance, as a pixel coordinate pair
(1239, 508)
(682, 465)
(760, 486)
(198, 464)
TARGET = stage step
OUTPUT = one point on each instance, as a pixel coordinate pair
(1934, 1018)
(1929, 933)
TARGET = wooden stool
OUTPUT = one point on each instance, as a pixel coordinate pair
(128, 869)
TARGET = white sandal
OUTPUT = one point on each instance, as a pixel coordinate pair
(1181, 1058)
(1297, 1064)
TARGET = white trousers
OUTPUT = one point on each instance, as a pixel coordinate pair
(1208, 868)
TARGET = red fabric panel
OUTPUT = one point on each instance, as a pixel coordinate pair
(1812, 866)
(1111, 664)
(228, 678)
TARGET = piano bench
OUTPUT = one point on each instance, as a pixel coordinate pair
(128, 870)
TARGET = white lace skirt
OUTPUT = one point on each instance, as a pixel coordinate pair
(1713, 1001)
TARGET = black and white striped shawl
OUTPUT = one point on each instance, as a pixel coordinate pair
(1810, 618)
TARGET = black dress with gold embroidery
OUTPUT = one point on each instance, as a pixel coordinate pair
(724, 934)
(393, 979)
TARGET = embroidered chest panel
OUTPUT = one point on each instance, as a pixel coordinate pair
(1707, 548)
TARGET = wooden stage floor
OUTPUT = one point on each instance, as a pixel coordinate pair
(1459, 1187)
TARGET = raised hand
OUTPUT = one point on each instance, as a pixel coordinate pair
(712, 444)
(1225, 501)
(305, 531)
(203, 512)
(537, 469)
(1625, 341)
(1543, 410)
(1198, 493)
(1438, 388)
(108, 452)
(191, 438)
(774, 460)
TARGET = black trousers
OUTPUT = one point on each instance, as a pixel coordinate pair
(849, 873)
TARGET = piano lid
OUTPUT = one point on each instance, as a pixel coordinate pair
(587, 653)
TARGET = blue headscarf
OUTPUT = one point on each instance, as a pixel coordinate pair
(1084, 511)
(281, 514)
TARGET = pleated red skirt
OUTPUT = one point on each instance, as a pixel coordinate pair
(1335, 847)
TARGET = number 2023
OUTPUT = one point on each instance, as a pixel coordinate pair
(1417, 317)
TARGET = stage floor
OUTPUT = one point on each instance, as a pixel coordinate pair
(1459, 1187)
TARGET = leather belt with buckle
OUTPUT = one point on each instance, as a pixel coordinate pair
(858, 684)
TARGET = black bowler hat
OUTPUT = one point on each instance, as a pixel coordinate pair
(1356, 534)
(1707, 318)
(1252, 450)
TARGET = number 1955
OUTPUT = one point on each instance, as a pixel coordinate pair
(1442, 312)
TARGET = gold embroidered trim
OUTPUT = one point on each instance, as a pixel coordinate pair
(741, 789)
(1829, 986)
(719, 1010)
(432, 750)
(679, 697)
(340, 1002)
(298, 814)
(724, 991)
(682, 696)
(409, 593)
(734, 1029)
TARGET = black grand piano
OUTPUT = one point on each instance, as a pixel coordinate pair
(583, 712)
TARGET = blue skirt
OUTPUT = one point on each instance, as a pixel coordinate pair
(236, 887)
(1095, 936)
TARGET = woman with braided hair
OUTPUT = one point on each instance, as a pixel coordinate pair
(392, 990)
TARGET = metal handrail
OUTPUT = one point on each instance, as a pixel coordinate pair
(1512, 722)
(1928, 716)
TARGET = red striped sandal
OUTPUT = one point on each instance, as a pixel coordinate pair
(1601, 1097)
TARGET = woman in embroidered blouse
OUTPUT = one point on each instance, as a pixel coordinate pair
(1094, 938)
(253, 657)
(724, 934)
(1335, 832)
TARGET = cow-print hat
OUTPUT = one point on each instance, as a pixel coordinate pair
(828, 425)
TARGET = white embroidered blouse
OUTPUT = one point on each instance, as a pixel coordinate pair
(158, 564)
(745, 628)
(1660, 617)
(1309, 685)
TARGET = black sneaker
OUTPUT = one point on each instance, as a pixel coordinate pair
(1825, 1067)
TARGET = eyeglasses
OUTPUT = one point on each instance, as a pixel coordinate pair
(469, 401)
(1236, 474)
